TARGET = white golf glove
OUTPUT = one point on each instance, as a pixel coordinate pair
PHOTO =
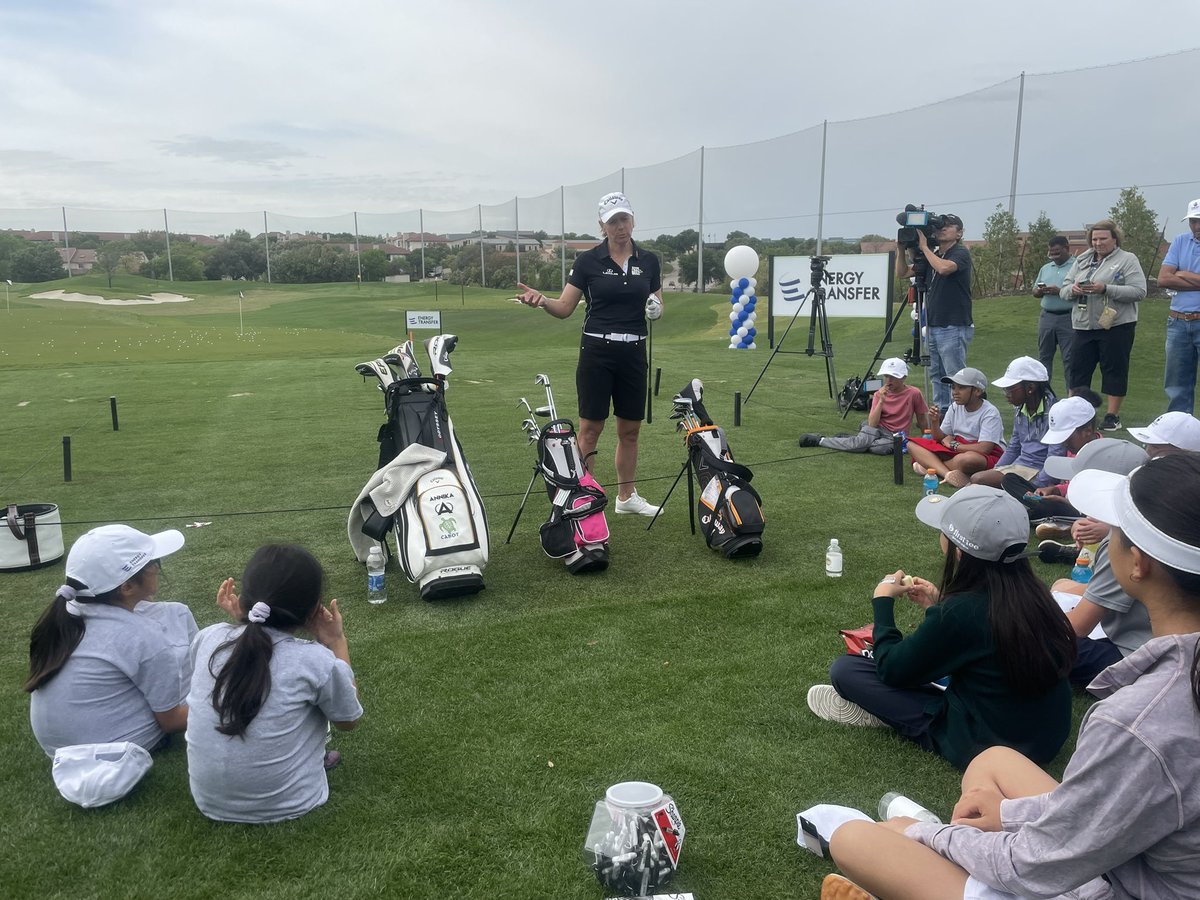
(654, 308)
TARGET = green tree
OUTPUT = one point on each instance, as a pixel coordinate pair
(712, 267)
(1139, 224)
(312, 263)
(37, 262)
(374, 265)
(996, 262)
(239, 257)
(10, 246)
(1041, 230)
(108, 258)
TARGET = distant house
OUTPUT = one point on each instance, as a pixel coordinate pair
(77, 262)
(413, 240)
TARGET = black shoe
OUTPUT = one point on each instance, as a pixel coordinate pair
(810, 440)
(1112, 422)
(1054, 552)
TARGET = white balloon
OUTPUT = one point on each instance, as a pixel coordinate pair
(733, 316)
(739, 306)
(753, 346)
(733, 285)
(748, 292)
(743, 331)
(733, 344)
(741, 262)
(753, 280)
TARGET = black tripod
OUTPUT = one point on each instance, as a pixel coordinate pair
(918, 354)
(818, 321)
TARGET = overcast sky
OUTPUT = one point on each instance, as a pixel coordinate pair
(319, 108)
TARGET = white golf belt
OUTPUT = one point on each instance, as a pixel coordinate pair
(623, 338)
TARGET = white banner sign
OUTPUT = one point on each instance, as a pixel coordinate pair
(416, 319)
(857, 286)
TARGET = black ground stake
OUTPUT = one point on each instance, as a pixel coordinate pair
(66, 458)
(737, 408)
(112, 403)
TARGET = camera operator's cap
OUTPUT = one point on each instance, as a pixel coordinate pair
(894, 366)
(1105, 496)
(1065, 416)
(952, 219)
(612, 204)
(1176, 429)
(982, 521)
(1104, 454)
(1193, 210)
(967, 377)
(1023, 368)
(91, 775)
(108, 556)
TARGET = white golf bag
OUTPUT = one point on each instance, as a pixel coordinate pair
(428, 502)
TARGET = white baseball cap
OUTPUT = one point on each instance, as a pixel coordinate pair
(612, 204)
(1105, 455)
(982, 521)
(1065, 416)
(1193, 210)
(92, 775)
(1177, 429)
(1023, 368)
(894, 366)
(108, 556)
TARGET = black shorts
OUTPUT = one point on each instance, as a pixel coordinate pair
(1111, 350)
(611, 370)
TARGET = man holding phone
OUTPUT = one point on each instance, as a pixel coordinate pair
(1054, 324)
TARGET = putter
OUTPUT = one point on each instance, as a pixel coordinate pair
(543, 411)
(544, 381)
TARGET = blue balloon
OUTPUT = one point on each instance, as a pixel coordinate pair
(751, 332)
(737, 292)
(751, 302)
(743, 283)
(733, 331)
(743, 345)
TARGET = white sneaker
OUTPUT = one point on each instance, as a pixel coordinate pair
(828, 704)
(636, 506)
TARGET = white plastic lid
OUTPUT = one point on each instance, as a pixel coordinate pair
(633, 794)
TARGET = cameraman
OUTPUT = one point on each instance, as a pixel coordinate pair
(947, 304)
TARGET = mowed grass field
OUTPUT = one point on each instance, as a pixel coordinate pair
(492, 723)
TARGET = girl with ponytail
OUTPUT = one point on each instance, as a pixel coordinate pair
(105, 663)
(262, 698)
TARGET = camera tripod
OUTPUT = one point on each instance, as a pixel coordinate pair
(818, 322)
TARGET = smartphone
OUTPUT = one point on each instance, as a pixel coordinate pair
(1040, 284)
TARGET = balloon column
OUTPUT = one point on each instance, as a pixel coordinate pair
(741, 263)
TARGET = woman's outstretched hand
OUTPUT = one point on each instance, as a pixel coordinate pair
(228, 600)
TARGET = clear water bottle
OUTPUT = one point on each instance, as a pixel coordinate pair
(930, 482)
(833, 559)
(1082, 573)
(376, 590)
(893, 804)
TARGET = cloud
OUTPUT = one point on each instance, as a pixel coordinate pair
(271, 154)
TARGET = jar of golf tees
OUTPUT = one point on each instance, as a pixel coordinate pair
(635, 838)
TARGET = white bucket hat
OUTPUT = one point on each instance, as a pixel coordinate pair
(91, 775)
(108, 556)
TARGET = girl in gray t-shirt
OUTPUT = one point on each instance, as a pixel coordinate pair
(261, 698)
(105, 663)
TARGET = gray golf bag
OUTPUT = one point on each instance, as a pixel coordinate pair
(439, 525)
(730, 510)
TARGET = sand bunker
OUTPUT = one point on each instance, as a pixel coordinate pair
(139, 300)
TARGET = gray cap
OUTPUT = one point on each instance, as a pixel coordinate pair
(982, 521)
(1105, 454)
(967, 377)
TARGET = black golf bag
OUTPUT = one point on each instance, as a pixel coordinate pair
(576, 531)
(730, 510)
(440, 527)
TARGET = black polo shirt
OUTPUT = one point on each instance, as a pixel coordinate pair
(949, 299)
(616, 300)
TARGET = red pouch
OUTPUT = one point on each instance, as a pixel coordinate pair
(859, 641)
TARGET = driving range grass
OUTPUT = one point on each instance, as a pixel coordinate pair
(492, 723)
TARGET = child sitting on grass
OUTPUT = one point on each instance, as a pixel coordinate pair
(106, 665)
(970, 437)
(895, 408)
(262, 698)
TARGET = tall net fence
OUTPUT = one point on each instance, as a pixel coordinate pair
(1063, 143)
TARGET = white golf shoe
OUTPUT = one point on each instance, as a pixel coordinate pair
(636, 506)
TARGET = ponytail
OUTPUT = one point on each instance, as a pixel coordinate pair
(281, 589)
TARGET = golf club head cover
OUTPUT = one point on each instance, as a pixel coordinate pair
(694, 391)
(379, 369)
(439, 349)
(405, 352)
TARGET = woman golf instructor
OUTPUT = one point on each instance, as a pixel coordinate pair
(622, 285)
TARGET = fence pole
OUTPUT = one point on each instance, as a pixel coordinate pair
(167, 232)
(821, 196)
(1012, 188)
(700, 237)
(67, 246)
(482, 261)
(517, 224)
(267, 245)
(421, 225)
(562, 232)
(357, 249)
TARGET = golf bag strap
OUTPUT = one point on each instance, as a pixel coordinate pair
(29, 537)
(598, 501)
(735, 470)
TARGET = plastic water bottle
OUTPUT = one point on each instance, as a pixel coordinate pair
(1082, 572)
(376, 590)
(893, 804)
(833, 559)
(927, 434)
(930, 482)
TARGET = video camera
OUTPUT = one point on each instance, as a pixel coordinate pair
(917, 219)
(816, 267)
